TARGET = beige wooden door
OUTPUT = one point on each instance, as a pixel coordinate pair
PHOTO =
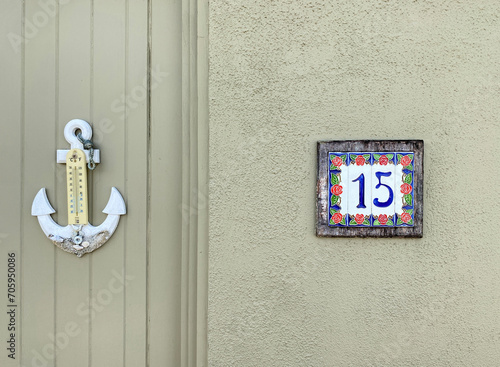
(118, 65)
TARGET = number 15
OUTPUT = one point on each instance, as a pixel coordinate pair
(376, 202)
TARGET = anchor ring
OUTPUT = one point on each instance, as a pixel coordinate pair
(70, 132)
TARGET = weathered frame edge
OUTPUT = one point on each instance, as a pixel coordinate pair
(322, 228)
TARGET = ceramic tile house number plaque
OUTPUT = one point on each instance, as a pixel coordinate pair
(370, 188)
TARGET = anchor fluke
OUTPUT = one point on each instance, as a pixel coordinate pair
(115, 208)
(116, 204)
(41, 204)
(42, 209)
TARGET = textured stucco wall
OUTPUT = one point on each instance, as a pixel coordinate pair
(284, 74)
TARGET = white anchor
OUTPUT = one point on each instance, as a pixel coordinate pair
(79, 236)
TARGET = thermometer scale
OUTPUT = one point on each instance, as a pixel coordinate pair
(76, 180)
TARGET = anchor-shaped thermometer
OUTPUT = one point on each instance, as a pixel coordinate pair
(79, 236)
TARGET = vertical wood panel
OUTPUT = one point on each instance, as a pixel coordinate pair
(134, 223)
(107, 337)
(88, 57)
(39, 168)
(189, 252)
(166, 186)
(11, 75)
(72, 273)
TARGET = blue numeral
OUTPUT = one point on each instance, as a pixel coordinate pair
(384, 204)
(361, 180)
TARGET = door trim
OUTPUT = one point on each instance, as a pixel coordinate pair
(195, 183)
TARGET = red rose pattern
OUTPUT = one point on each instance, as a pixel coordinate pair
(359, 218)
(336, 189)
(337, 161)
(383, 160)
(337, 218)
(405, 161)
(360, 160)
(406, 189)
(382, 218)
(405, 217)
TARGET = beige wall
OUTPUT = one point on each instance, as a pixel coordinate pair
(285, 74)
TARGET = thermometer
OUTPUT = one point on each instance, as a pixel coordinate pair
(76, 180)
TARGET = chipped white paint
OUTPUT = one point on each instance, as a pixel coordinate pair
(85, 238)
